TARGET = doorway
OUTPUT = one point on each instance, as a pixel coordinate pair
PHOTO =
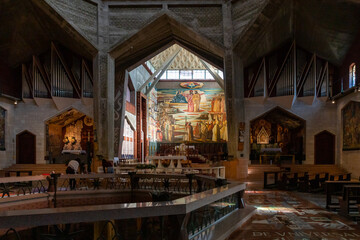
(324, 148)
(25, 148)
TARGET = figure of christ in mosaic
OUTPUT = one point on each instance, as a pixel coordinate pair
(197, 101)
(190, 100)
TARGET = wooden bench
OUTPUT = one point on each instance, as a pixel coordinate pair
(293, 181)
(18, 172)
(335, 188)
(341, 177)
(276, 178)
(349, 200)
(316, 182)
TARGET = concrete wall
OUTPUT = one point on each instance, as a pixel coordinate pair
(7, 157)
(138, 76)
(319, 116)
(29, 116)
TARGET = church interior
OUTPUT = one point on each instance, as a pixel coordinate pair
(199, 120)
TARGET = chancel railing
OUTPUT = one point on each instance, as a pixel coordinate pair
(20, 186)
(206, 206)
(177, 183)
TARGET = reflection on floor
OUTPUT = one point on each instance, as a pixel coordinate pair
(286, 215)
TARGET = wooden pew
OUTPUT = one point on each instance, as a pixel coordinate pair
(317, 182)
(293, 180)
(304, 182)
(341, 177)
(18, 172)
(335, 188)
(276, 178)
(349, 200)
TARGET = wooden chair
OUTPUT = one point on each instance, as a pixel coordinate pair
(349, 201)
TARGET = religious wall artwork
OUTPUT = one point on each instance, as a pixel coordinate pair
(2, 128)
(277, 132)
(351, 128)
(88, 121)
(190, 115)
(192, 85)
(72, 138)
(260, 132)
(263, 137)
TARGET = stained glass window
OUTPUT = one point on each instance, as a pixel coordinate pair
(352, 75)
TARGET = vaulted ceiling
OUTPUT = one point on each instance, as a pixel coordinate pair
(28, 27)
(158, 36)
(183, 60)
(325, 27)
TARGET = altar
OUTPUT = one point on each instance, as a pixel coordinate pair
(76, 152)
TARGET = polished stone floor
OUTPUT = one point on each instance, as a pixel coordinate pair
(285, 215)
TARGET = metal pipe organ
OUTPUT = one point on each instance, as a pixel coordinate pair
(259, 85)
(309, 84)
(60, 81)
(48, 76)
(285, 84)
(297, 73)
(40, 89)
(26, 92)
(87, 89)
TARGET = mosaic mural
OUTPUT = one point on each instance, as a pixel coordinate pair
(351, 130)
(2, 129)
(195, 115)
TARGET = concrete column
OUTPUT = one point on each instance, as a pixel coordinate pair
(234, 92)
(104, 72)
(121, 82)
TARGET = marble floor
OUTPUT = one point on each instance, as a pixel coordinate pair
(285, 215)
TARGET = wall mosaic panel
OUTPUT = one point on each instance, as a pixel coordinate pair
(184, 115)
(351, 128)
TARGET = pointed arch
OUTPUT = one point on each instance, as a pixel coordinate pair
(146, 43)
(25, 147)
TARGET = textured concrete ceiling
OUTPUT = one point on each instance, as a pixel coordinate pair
(28, 27)
(66, 117)
(158, 36)
(325, 27)
(280, 116)
(183, 60)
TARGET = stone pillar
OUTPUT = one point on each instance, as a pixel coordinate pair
(234, 92)
(104, 72)
(121, 82)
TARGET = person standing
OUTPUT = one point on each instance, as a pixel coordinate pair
(72, 168)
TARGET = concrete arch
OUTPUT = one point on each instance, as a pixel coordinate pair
(164, 31)
(146, 43)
